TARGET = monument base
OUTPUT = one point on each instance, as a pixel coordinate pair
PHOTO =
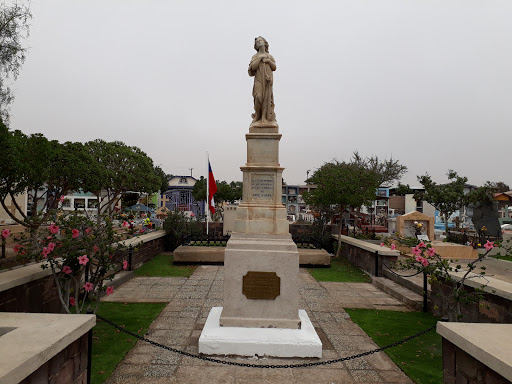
(242, 341)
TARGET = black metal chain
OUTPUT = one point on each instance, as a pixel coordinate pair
(393, 272)
(226, 362)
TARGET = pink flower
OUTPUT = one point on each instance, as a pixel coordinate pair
(421, 245)
(422, 260)
(489, 245)
(393, 246)
(88, 230)
(83, 260)
(125, 264)
(416, 251)
(88, 287)
(67, 269)
(49, 238)
(6, 233)
(96, 249)
(53, 229)
(71, 301)
(17, 248)
(51, 246)
(381, 244)
(125, 224)
(431, 252)
(45, 252)
(75, 233)
(110, 290)
(62, 198)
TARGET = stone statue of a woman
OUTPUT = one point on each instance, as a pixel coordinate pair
(261, 67)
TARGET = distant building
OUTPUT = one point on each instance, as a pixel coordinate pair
(400, 205)
(178, 197)
(504, 200)
(293, 199)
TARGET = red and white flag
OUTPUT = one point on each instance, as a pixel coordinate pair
(212, 189)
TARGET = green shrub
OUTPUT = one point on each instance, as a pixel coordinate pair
(177, 225)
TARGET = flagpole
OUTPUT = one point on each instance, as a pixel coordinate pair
(207, 207)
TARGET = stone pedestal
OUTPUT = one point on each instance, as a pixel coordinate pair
(261, 260)
(268, 298)
(261, 264)
(261, 210)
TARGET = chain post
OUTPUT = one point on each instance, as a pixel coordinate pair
(130, 256)
(425, 293)
(376, 263)
(89, 350)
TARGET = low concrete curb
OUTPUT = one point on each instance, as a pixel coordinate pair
(406, 296)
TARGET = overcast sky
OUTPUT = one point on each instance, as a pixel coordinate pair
(426, 82)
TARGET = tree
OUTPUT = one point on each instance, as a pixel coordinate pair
(13, 29)
(499, 186)
(388, 171)
(199, 190)
(120, 168)
(403, 189)
(446, 198)
(342, 185)
(46, 170)
(225, 192)
(228, 192)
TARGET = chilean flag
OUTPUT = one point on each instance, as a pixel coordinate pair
(212, 189)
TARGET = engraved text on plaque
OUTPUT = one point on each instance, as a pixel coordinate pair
(262, 186)
(261, 285)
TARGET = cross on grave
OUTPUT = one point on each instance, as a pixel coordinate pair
(164, 200)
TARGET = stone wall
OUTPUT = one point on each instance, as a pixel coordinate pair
(362, 254)
(461, 368)
(492, 309)
(69, 366)
(143, 252)
(35, 296)
(32, 289)
(214, 228)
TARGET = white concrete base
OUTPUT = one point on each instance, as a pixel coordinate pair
(242, 341)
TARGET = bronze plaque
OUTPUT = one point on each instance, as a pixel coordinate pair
(261, 285)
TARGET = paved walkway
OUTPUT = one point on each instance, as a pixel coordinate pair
(179, 325)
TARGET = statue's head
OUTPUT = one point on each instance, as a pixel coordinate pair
(260, 40)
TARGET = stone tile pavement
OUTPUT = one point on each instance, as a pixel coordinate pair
(180, 323)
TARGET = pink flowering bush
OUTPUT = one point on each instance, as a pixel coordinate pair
(79, 251)
(425, 259)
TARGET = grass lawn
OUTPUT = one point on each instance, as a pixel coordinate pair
(420, 358)
(161, 265)
(109, 345)
(507, 258)
(342, 271)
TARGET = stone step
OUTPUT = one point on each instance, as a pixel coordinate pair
(413, 283)
(120, 278)
(406, 296)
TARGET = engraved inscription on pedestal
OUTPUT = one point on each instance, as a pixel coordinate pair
(262, 186)
(261, 285)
